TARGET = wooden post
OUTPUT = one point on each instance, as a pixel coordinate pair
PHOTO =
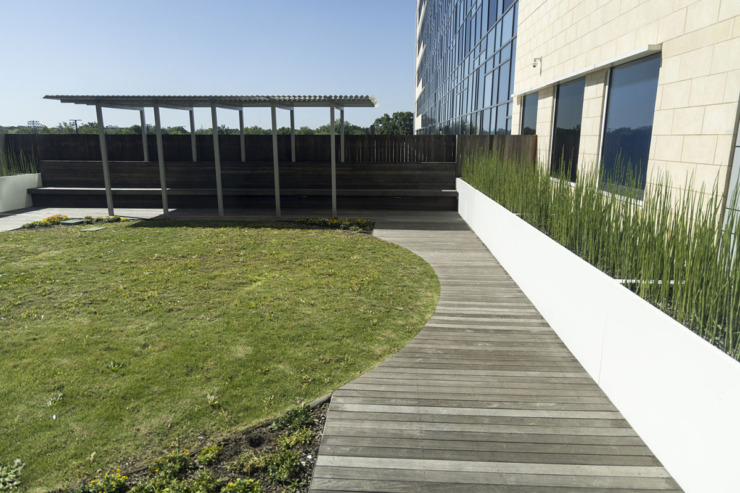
(160, 155)
(192, 136)
(241, 134)
(341, 135)
(292, 135)
(143, 135)
(275, 161)
(333, 146)
(217, 158)
(104, 159)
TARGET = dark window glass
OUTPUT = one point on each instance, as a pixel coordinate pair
(506, 53)
(507, 4)
(494, 91)
(487, 100)
(486, 122)
(629, 123)
(501, 120)
(503, 83)
(529, 114)
(492, 12)
(567, 132)
(507, 26)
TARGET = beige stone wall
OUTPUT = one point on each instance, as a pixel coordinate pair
(698, 87)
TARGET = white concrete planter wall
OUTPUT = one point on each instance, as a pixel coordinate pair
(14, 191)
(680, 393)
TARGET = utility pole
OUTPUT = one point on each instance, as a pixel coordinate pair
(75, 122)
(34, 125)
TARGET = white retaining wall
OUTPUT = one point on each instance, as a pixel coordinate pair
(14, 191)
(680, 393)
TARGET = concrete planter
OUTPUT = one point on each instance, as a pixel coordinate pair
(680, 393)
(14, 191)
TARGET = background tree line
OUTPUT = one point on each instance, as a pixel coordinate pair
(400, 123)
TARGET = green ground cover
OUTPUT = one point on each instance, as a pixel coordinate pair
(119, 343)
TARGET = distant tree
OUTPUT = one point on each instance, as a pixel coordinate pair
(177, 131)
(255, 130)
(401, 123)
(349, 129)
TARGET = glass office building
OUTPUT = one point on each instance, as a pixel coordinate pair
(465, 66)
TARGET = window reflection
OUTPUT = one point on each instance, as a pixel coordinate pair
(529, 114)
(567, 131)
(629, 125)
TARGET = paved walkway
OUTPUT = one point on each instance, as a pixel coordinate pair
(485, 398)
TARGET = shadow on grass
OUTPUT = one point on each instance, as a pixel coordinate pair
(209, 223)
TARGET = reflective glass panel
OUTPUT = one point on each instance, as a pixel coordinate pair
(629, 124)
(529, 114)
(567, 131)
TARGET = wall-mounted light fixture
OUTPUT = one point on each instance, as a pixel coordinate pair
(537, 61)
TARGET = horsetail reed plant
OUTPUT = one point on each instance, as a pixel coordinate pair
(674, 249)
(17, 162)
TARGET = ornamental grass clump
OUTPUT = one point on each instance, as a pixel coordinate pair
(673, 248)
(17, 162)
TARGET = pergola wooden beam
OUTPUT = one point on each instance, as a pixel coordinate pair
(160, 156)
(237, 103)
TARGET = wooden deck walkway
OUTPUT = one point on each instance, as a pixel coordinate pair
(485, 398)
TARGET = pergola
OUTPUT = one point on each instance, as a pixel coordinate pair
(238, 103)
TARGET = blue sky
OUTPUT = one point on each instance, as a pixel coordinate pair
(248, 47)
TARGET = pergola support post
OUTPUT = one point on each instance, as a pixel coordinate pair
(275, 160)
(160, 156)
(104, 159)
(192, 136)
(241, 134)
(341, 134)
(333, 147)
(217, 159)
(142, 117)
(292, 135)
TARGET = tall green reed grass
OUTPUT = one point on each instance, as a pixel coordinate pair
(674, 249)
(16, 162)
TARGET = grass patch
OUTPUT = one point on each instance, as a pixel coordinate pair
(673, 249)
(144, 336)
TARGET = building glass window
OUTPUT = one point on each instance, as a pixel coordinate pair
(461, 38)
(529, 114)
(629, 123)
(567, 130)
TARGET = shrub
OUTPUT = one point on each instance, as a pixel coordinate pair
(243, 486)
(284, 467)
(10, 475)
(337, 223)
(49, 221)
(108, 484)
(206, 482)
(171, 466)
(294, 420)
(249, 463)
(290, 440)
(209, 455)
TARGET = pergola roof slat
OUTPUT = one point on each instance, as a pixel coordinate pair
(208, 101)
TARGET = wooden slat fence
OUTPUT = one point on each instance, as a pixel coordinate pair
(360, 149)
(517, 148)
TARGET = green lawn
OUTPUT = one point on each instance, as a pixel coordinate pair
(119, 343)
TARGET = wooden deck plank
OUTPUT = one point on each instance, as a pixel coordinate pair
(485, 398)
